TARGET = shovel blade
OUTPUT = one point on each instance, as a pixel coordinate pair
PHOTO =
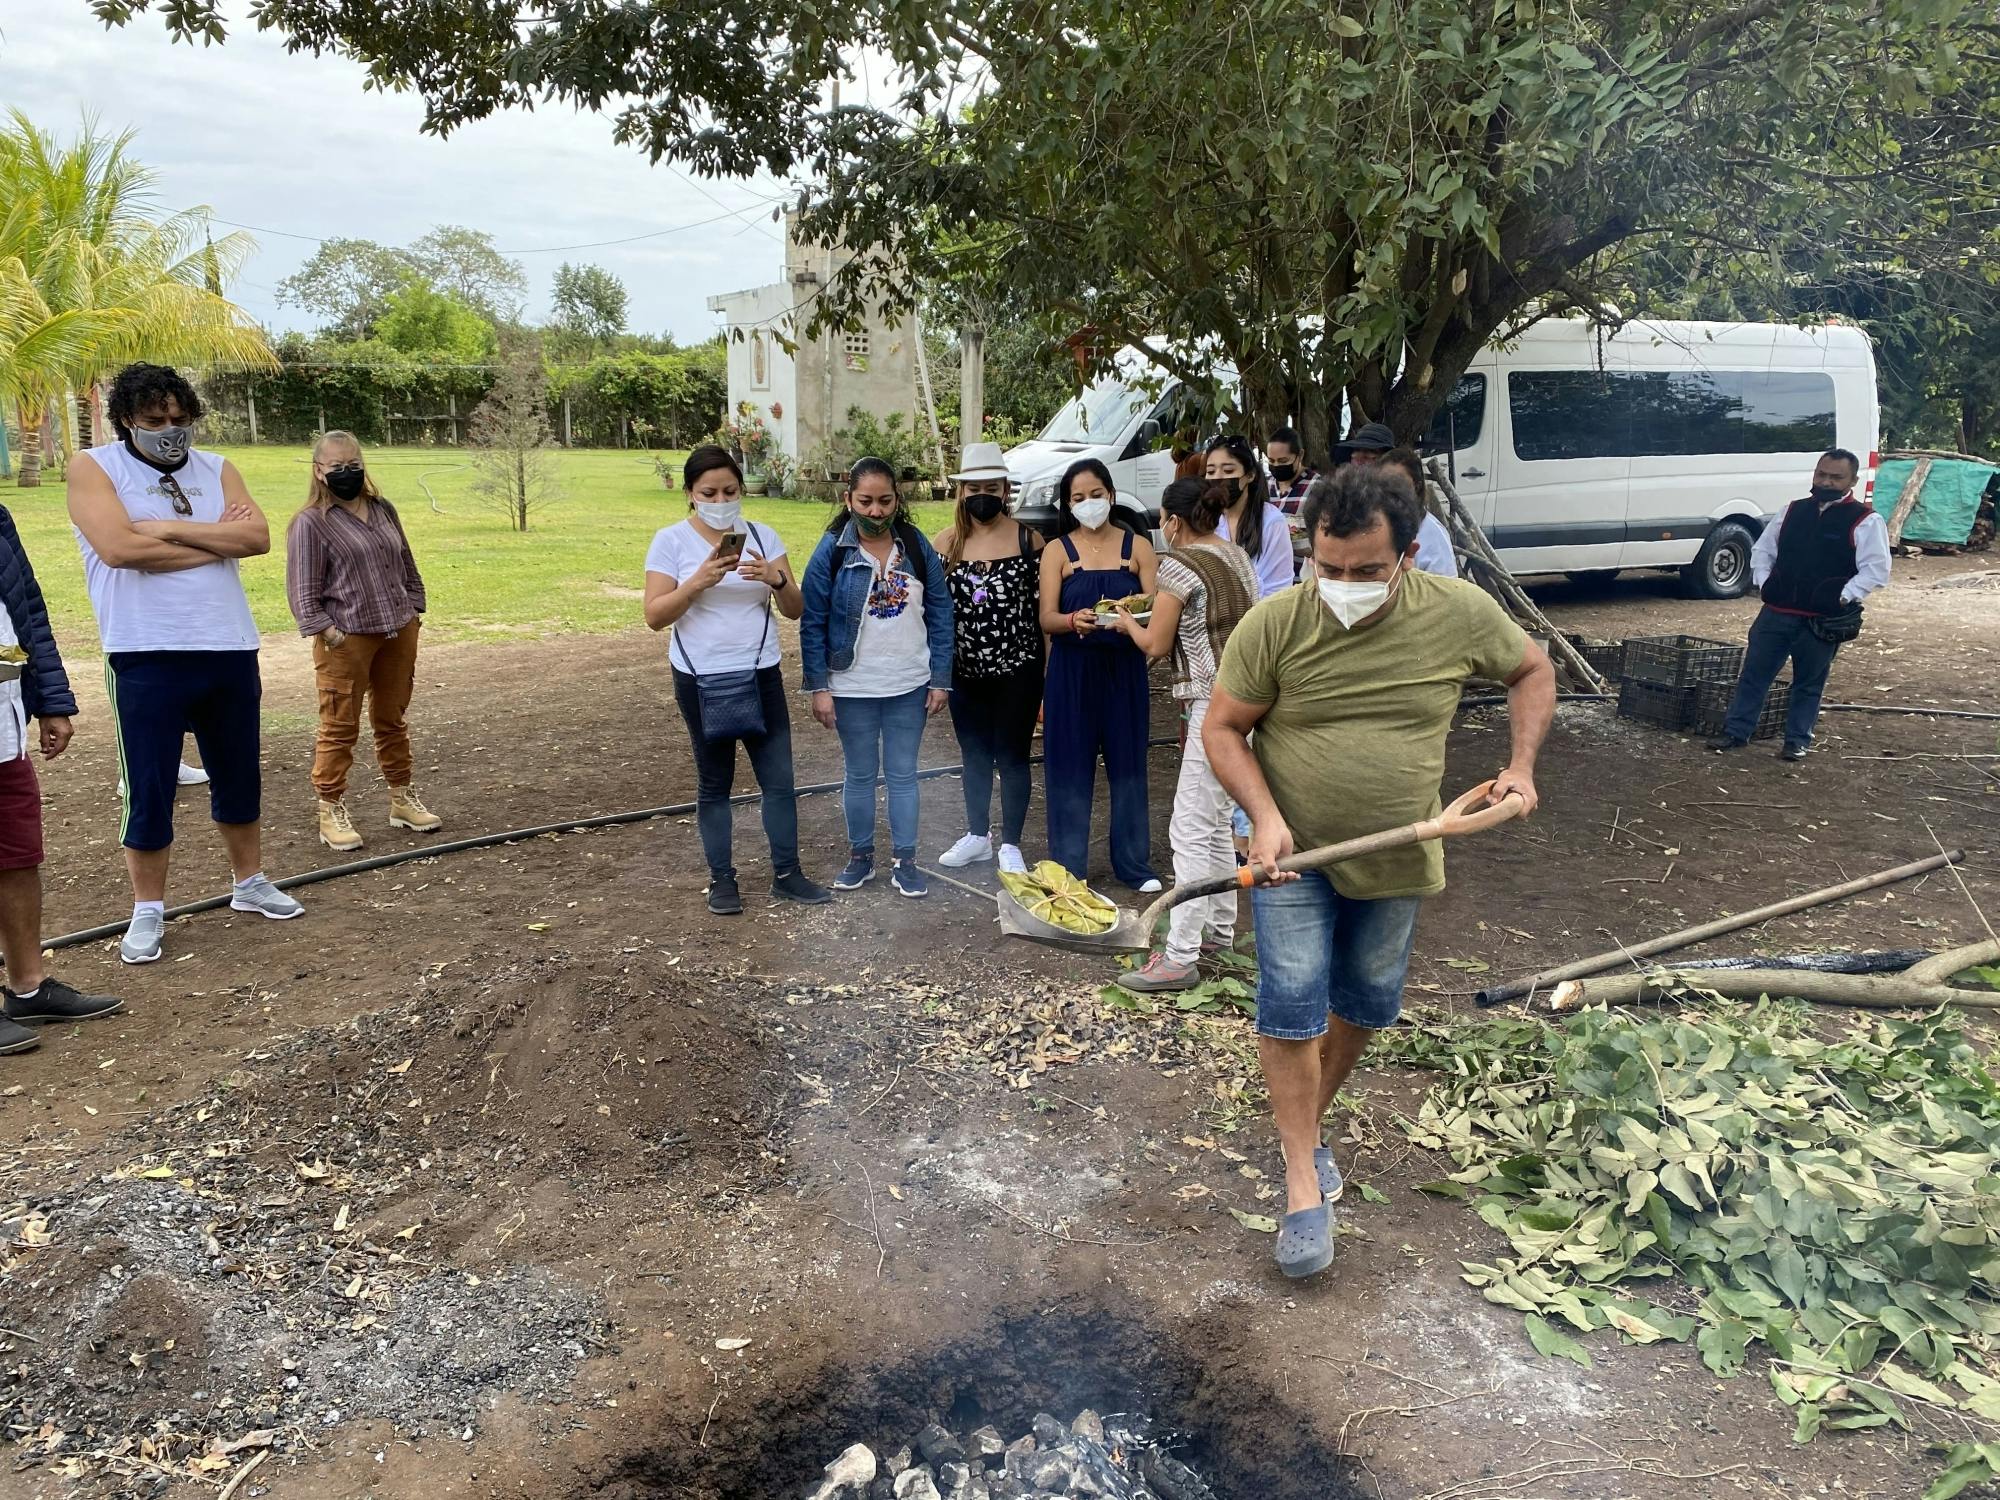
(1124, 935)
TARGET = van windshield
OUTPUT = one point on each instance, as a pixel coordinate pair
(1100, 415)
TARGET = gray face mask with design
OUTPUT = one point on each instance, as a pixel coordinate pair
(165, 446)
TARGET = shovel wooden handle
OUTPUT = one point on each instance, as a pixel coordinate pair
(1454, 821)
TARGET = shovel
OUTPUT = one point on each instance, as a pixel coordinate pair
(1135, 933)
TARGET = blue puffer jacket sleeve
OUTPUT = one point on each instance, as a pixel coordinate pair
(937, 616)
(45, 687)
(816, 583)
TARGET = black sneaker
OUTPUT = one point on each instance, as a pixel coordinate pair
(1792, 752)
(15, 1038)
(1726, 742)
(792, 885)
(724, 900)
(56, 1001)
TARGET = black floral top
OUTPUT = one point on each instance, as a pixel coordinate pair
(996, 615)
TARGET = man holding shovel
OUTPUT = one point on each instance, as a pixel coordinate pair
(1350, 681)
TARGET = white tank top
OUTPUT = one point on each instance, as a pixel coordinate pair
(201, 609)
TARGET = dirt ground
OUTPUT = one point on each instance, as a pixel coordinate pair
(455, 1185)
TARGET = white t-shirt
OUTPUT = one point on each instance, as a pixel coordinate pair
(1434, 550)
(13, 707)
(892, 653)
(721, 629)
(198, 609)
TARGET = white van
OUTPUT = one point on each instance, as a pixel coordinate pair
(1663, 445)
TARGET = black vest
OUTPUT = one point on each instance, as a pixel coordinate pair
(1815, 557)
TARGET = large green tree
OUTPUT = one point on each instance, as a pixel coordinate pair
(348, 283)
(1347, 199)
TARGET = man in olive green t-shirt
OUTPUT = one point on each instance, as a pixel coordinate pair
(1350, 681)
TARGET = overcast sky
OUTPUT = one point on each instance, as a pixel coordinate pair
(292, 143)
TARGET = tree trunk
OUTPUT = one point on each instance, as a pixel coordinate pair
(86, 426)
(31, 453)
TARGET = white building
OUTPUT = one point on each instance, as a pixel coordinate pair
(803, 388)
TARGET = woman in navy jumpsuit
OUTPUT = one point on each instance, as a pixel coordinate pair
(1095, 701)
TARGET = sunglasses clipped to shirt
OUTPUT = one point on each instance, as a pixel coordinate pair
(172, 488)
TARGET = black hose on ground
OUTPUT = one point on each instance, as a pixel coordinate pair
(486, 841)
(1491, 700)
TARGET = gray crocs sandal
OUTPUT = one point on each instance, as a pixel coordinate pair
(1331, 1185)
(1305, 1241)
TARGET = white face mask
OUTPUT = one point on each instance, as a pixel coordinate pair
(722, 515)
(1091, 514)
(1352, 603)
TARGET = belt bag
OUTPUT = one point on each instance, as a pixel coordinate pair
(1837, 629)
(732, 706)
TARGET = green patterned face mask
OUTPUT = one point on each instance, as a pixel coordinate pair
(873, 526)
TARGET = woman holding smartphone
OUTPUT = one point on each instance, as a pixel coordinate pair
(714, 578)
(1095, 703)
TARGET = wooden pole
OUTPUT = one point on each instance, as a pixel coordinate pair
(1471, 540)
(971, 385)
(250, 400)
(1688, 936)
(1906, 503)
(1872, 991)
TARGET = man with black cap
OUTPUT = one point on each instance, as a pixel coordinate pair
(1814, 565)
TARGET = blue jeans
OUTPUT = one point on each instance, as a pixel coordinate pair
(881, 734)
(715, 776)
(1320, 953)
(1774, 639)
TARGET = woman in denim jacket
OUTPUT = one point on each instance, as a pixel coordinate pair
(875, 648)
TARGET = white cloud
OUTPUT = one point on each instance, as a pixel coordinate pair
(294, 142)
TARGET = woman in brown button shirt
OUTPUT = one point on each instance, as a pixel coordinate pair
(356, 593)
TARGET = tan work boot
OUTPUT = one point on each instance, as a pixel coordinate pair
(407, 810)
(336, 828)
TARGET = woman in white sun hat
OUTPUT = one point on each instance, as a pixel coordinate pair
(993, 565)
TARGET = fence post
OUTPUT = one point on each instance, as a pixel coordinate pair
(566, 441)
(322, 421)
(250, 400)
(453, 400)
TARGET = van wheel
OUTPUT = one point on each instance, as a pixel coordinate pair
(1592, 575)
(1722, 568)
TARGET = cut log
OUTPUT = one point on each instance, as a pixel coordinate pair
(1870, 991)
(1689, 936)
(1906, 503)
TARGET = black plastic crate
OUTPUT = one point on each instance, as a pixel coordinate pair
(1656, 703)
(1712, 707)
(1680, 660)
(1607, 660)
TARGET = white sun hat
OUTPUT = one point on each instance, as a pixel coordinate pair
(982, 461)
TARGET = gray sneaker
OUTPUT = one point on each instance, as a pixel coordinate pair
(141, 943)
(1159, 974)
(266, 900)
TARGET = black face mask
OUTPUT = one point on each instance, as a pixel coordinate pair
(1826, 496)
(347, 481)
(983, 508)
(1232, 489)
(1284, 473)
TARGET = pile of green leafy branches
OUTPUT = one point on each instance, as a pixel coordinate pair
(1729, 1175)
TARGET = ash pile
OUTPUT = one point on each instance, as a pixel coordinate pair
(1110, 1458)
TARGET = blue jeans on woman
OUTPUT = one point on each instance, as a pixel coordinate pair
(881, 735)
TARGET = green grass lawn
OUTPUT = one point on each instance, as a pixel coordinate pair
(579, 570)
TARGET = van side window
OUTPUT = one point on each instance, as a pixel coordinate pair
(1461, 419)
(1668, 413)
(1567, 414)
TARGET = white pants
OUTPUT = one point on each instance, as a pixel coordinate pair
(1200, 834)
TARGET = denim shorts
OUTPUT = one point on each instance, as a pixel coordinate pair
(1320, 953)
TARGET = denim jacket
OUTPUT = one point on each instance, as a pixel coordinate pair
(833, 604)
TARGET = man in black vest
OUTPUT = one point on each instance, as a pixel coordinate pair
(1814, 565)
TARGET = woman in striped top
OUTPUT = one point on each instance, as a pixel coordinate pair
(357, 595)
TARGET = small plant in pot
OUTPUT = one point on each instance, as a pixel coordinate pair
(745, 435)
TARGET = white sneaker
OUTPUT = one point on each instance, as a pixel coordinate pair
(1011, 862)
(264, 898)
(141, 942)
(1151, 887)
(974, 846)
(191, 775)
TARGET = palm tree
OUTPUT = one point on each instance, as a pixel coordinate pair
(90, 280)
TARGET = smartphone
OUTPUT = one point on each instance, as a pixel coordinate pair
(731, 545)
